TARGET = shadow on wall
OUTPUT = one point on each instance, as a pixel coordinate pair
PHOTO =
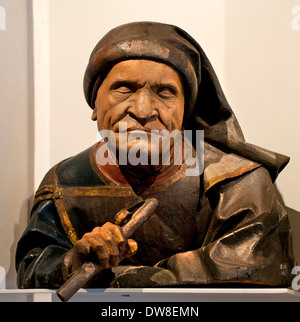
(11, 274)
(294, 217)
(21, 223)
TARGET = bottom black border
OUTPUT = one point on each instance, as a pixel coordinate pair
(144, 311)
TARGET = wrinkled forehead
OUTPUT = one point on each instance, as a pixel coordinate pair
(153, 41)
(142, 71)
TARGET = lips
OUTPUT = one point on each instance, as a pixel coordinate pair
(140, 129)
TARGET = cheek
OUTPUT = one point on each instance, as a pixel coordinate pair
(101, 120)
(172, 117)
(179, 112)
(179, 117)
(102, 114)
(106, 110)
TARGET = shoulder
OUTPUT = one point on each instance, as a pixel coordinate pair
(220, 166)
(76, 171)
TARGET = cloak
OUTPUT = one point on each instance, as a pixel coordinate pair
(209, 229)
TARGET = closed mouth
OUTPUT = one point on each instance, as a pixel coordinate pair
(137, 129)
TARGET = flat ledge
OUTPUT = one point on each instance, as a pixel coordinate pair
(156, 295)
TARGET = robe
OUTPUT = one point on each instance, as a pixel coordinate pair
(222, 227)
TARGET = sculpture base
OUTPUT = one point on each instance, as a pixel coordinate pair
(156, 295)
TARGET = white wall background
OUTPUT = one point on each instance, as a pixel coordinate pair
(252, 45)
(15, 133)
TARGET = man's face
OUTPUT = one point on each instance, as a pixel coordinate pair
(144, 94)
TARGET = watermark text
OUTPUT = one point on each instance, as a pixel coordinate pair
(295, 285)
(2, 18)
(155, 147)
(296, 20)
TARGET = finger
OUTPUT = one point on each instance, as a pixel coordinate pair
(130, 249)
(127, 248)
(79, 253)
(115, 230)
(98, 245)
(133, 247)
(108, 234)
(82, 247)
(118, 234)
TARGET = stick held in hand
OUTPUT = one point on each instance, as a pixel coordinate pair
(89, 269)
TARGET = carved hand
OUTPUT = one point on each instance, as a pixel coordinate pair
(106, 244)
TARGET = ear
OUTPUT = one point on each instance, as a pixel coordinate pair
(94, 115)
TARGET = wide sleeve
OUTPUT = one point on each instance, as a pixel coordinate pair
(248, 239)
(41, 250)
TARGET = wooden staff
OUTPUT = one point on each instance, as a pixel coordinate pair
(89, 269)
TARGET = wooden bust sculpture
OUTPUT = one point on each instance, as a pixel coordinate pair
(223, 225)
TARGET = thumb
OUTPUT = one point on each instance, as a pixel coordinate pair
(130, 249)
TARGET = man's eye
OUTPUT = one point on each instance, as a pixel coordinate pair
(123, 90)
(166, 92)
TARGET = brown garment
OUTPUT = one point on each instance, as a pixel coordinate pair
(223, 227)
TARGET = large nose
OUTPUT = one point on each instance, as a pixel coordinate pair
(143, 107)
